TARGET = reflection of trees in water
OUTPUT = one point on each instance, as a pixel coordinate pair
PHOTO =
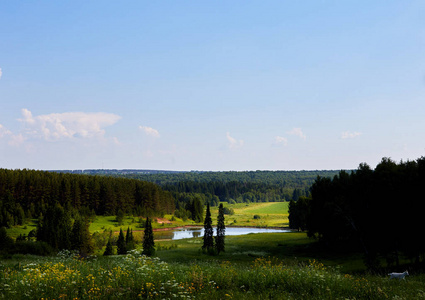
(196, 234)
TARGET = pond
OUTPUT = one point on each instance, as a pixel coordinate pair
(193, 232)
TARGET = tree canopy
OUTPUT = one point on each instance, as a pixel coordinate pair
(380, 209)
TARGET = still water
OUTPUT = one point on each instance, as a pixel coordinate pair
(191, 232)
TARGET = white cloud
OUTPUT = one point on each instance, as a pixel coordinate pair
(149, 131)
(233, 143)
(297, 132)
(280, 140)
(68, 125)
(4, 131)
(1, 73)
(350, 135)
(14, 140)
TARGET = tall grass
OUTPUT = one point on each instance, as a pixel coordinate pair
(138, 277)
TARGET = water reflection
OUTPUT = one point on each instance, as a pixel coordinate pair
(194, 232)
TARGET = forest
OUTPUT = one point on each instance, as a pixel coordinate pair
(245, 186)
(27, 194)
(379, 211)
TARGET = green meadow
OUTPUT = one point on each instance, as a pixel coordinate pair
(254, 266)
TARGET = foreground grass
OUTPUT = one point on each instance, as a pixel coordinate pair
(138, 277)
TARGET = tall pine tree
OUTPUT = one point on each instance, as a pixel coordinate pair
(121, 246)
(80, 236)
(129, 239)
(208, 232)
(109, 250)
(221, 230)
(148, 241)
(54, 228)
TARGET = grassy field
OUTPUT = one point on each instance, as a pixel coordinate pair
(256, 266)
(272, 214)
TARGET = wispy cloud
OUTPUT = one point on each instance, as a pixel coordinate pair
(13, 140)
(297, 132)
(350, 135)
(68, 125)
(280, 140)
(4, 131)
(149, 131)
(1, 73)
(234, 143)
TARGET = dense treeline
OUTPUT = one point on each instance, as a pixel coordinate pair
(28, 194)
(380, 210)
(248, 186)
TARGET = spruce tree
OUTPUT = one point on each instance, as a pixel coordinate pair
(121, 246)
(80, 236)
(109, 250)
(221, 230)
(129, 240)
(148, 241)
(208, 232)
(54, 228)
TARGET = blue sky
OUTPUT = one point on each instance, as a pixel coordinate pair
(211, 85)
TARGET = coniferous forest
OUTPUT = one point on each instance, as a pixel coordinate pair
(28, 194)
(378, 211)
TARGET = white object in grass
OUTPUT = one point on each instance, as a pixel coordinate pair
(398, 275)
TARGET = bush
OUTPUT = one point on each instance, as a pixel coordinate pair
(228, 211)
(35, 248)
(257, 217)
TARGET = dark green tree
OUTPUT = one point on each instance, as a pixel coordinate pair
(129, 239)
(80, 236)
(208, 232)
(55, 228)
(5, 240)
(298, 213)
(121, 246)
(109, 250)
(221, 230)
(120, 217)
(148, 241)
(197, 210)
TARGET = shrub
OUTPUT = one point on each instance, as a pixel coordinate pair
(229, 211)
(35, 248)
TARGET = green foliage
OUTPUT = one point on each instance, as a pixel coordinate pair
(120, 217)
(5, 241)
(378, 210)
(148, 239)
(129, 240)
(139, 277)
(221, 230)
(54, 228)
(228, 211)
(109, 250)
(34, 248)
(298, 213)
(121, 246)
(29, 193)
(251, 186)
(208, 239)
(80, 237)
